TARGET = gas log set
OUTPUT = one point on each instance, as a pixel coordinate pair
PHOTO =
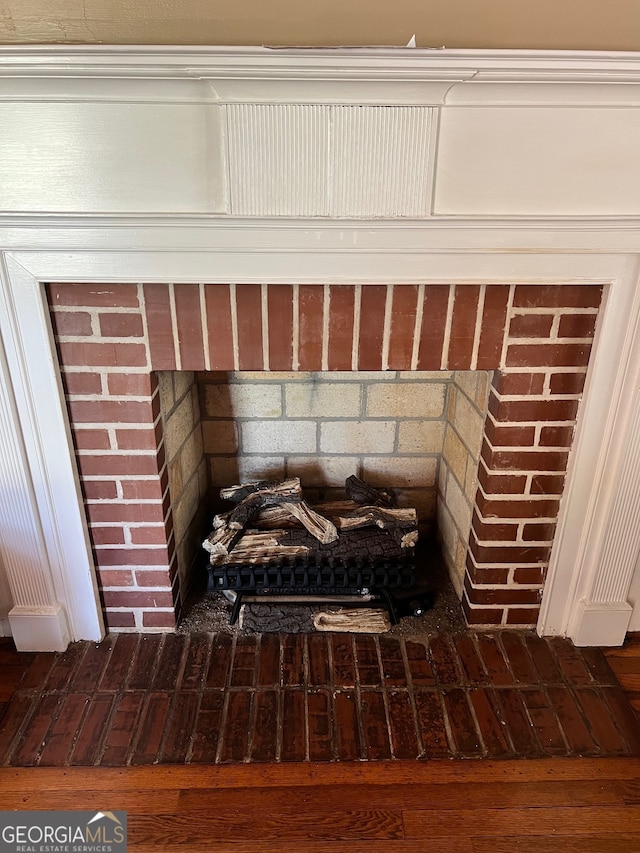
(273, 543)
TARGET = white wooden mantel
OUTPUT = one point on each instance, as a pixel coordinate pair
(364, 165)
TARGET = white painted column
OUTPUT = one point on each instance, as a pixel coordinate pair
(45, 545)
(604, 612)
(38, 622)
(602, 608)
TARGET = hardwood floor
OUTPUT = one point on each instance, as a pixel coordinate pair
(625, 663)
(555, 805)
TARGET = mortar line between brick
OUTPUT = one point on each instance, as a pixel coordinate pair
(74, 739)
(386, 334)
(279, 700)
(182, 664)
(295, 331)
(417, 329)
(264, 309)
(145, 332)
(252, 724)
(174, 326)
(476, 722)
(234, 326)
(357, 691)
(135, 740)
(326, 308)
(447, 723)
(444, 358)
(494, 698)
(385, 705)
(411, 692)
(223, 725)
(205, 327)
(565, 737)
(355, 342)
(478, 327)
(189, 752)
(207, 662)
(102, 742)
(507, 322)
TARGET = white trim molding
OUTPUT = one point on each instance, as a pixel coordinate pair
(126, 164)
(368, 133)
(588, 492)
(603, 609)
(36, 618)
(48, 558)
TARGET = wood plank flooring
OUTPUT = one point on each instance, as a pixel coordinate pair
(544, 806)
(625, 663)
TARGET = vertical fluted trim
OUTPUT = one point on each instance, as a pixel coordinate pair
(622, 539)
(322, 160)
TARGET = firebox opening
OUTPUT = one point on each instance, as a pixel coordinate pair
(418, 433)
(113, 339)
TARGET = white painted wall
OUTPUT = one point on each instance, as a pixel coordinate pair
(540, 24)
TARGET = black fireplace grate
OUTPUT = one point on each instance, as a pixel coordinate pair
(369, 550)
(316, 575)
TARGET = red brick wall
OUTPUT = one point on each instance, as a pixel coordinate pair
(114, 408)
(112, 337)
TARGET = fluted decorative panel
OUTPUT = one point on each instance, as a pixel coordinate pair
(278, 159)
(621, 544)
(22, 546)
(322, 160)
(380, 161)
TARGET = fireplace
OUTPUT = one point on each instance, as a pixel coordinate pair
(501, 476)
(405, 213)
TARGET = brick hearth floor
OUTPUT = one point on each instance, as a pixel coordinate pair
(205, 698)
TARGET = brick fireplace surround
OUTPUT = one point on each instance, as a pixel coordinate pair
(112, 338)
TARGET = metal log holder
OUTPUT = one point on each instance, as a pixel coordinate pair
(367, 561)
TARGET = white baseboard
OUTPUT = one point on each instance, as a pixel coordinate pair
(41, 629)
(601, 624)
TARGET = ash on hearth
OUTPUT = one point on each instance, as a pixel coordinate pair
(272, 542)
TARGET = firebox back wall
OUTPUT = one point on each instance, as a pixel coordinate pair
(389, 428)
(112, 339)
(385, 427)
